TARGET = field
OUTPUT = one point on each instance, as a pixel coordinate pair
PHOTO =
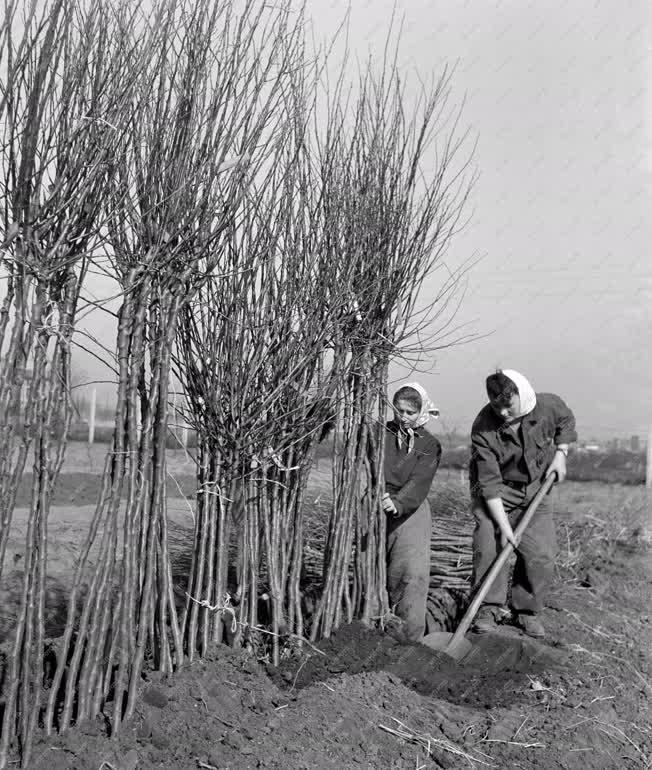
(618, 467)
(365, 699)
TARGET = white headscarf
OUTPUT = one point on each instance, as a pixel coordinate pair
(525, 391)
(428, 410)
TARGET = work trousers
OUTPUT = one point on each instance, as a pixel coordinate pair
(535, 556)
(408, 568)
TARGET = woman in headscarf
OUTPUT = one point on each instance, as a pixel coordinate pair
(518, 439)
(411, 459)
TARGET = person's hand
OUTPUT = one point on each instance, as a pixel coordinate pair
(507, 536)
(558, 466)
(388, 505)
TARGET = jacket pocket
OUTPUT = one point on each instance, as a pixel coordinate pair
(542, 448)
(541, 442)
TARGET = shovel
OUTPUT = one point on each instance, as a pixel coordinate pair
(456, 645)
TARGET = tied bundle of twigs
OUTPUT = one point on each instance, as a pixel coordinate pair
(315, 292)
(256, 361)
(391, 225)
(450, 566)
(451, 553)
(63, 99)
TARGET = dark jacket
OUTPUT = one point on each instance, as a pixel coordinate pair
(498, 455)
(408, 476)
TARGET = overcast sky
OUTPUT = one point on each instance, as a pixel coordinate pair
(557, 94)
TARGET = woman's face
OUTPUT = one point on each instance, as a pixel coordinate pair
(405, 413)
(507, 412)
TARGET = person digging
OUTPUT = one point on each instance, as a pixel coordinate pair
(412, 456)
(518, 439)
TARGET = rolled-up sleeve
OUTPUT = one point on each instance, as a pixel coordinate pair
(565, 432)
(485, 475)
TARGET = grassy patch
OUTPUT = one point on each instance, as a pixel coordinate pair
(598, 521)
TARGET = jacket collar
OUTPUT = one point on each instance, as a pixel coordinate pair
(394, 427)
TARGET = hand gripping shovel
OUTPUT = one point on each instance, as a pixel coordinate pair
(456, 645)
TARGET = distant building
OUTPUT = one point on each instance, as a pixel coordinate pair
(635, 443)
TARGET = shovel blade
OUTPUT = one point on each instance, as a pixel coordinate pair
(442, 641)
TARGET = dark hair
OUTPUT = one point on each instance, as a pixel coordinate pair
(501, 389)
(406, 393)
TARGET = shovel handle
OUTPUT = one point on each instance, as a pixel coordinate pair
(499, 562)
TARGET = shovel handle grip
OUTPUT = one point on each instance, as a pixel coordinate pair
(499, 562)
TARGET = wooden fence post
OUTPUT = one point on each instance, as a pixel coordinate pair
(648, 467)
(91, 417)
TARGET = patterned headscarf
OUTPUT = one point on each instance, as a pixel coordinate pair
(428, 410)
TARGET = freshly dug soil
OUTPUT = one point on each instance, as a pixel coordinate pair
(481, 679)
(580, 700)
(322, 711)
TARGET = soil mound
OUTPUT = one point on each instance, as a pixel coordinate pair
(481, 679)
(226, 712)
(367, 700)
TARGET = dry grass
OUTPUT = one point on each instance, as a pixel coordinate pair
(429, 745)
(596, 520)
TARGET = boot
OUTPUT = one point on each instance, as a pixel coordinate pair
(531, 623)
(488, 617)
